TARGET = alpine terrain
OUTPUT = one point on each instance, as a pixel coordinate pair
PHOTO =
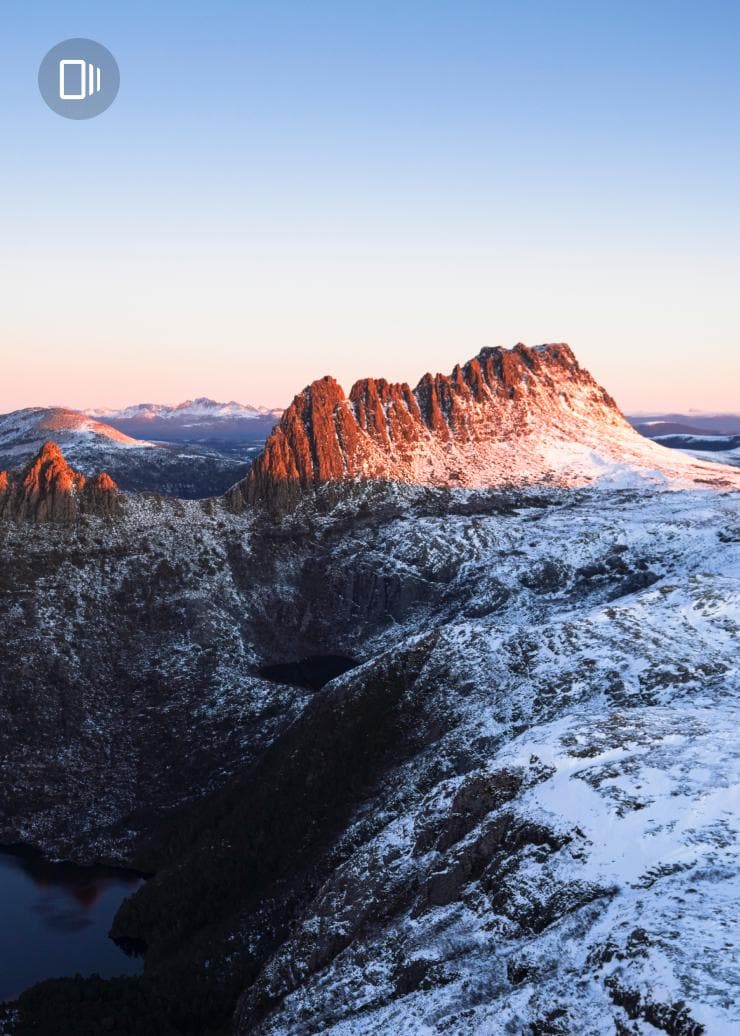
(187, 455)
(427, 725)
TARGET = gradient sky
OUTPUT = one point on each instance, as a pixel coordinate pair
(283, 190)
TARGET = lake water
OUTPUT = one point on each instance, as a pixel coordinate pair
(311, 672)
(54, 921)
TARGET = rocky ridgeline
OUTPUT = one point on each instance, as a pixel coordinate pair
(424, 435)
(49, 490)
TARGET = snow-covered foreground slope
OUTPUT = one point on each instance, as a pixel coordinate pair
(561, 853)
(518, 814)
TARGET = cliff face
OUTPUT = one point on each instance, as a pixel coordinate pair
(49, 490)
(488, 422)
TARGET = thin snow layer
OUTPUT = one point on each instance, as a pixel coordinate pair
(647, 807)
(565, 858)
(87, 444)
(696, 437)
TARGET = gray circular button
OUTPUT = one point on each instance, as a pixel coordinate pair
(79, 79)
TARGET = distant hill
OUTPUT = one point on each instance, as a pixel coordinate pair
(655, 425)
(707, 437)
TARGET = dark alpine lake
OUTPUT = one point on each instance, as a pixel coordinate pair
(311, 672)
(55, 921)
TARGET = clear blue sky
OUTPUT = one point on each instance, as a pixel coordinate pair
(284, 190)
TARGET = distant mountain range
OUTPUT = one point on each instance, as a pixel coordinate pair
(197, 449)
(202, 447)
(195, 420)
(710, 437)
(655, 425)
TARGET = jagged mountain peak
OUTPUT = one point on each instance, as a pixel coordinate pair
(50, 472)
(49, 489)
(506, 417)
(50, 453)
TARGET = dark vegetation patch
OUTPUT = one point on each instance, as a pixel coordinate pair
(672, 1018)
(94, 1007)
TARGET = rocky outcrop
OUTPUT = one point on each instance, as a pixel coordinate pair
(506, 417)
(49, 490)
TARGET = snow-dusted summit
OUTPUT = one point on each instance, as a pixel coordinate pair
(196, 409)
(507, 417)
(28, 428)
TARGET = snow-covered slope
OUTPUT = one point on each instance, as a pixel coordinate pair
(517, 815)
(731, 457)
(556, 849)
(715, 449)
(24, 428)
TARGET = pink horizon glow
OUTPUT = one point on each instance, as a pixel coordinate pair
(103, 384)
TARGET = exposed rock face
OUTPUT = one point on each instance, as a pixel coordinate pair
(49, 490)
(507, 417)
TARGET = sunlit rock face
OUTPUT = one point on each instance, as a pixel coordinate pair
(507, 417)
(49, 490)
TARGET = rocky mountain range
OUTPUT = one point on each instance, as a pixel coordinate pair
(195, 420)
(198, 451)
(507, 807)
(507, 417)
(443, 429)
